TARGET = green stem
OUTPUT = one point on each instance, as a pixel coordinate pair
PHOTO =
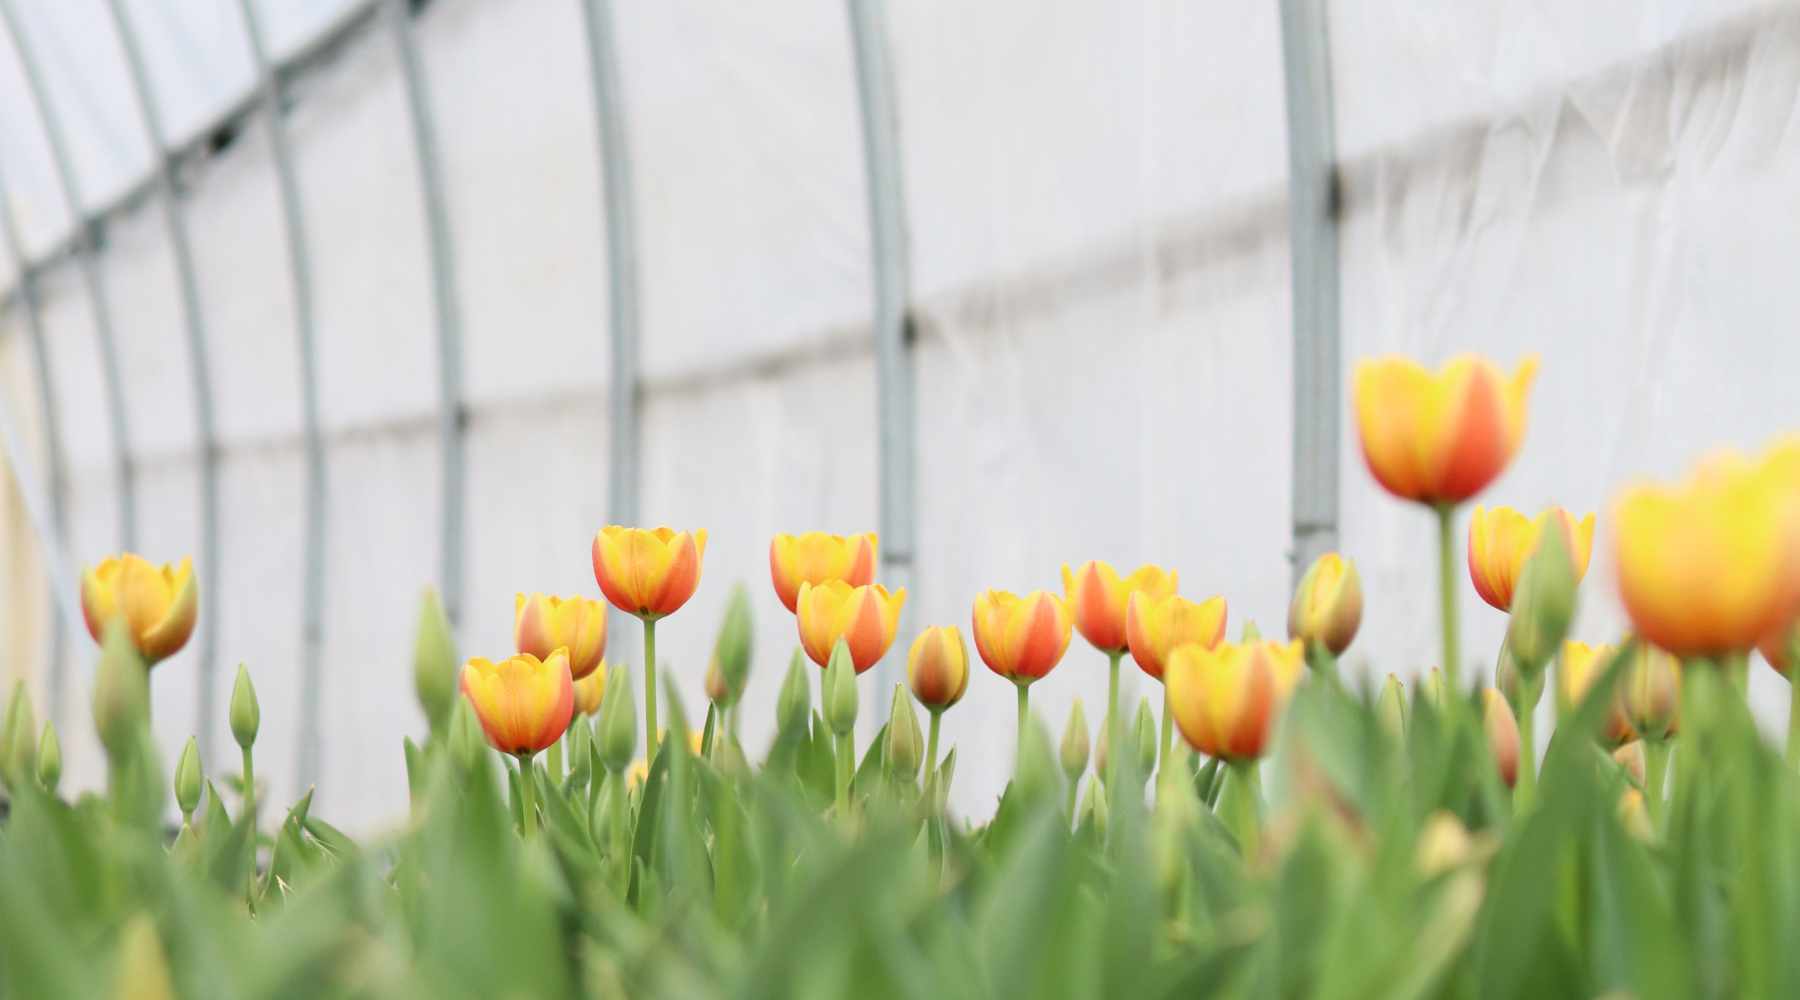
(249, 782)
(1793, 743)
(1699, 706)
(527, 796)
(1322, 663)
(1656, 768)
(931, 748)
(650, 734)
(846, 749)
(1024, 720)
(1112, 720)
(553, 758)
(1241, 806)
(1446, 514)
(1168, 731)
(1526, 714)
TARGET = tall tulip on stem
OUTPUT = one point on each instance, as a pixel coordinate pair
(1155, 626)
(524, 704)
(1022, 639)
(937, 670)
(1098, 600)
(649, 574)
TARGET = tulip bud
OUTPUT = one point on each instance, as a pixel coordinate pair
(49, 759)
(580, 759)
(121, 691)
(1443, 844)
(732, 649)
(1650, 691)
(1144, 727)
(467, 744)
(1502, 734)
(435, 663)
(794, 707)
(188, 779)
(1434, 687)
(1544, 604)
(1094, 809)
(142, 970)
(1327, 605)
(1390, 707)
(1103, 749)
(16, 748)
(1251, 632)
(618, 725)
(1075, 742)
(246, 714)
(1631, 758)
(905, 748)
(1511, 684)
(1038, 773)
(839, 691)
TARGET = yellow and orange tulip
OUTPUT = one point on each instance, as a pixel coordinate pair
(1156, 625)
(590, 691)
(815, 557)
(1227, 699)
(543, 624)
(1098, 598)
(1650, 692)
(1501, 539)
(1327, 605)
(1440, 437)
(1577, 668)
(866, 618)
(523, 703)
(937, 667)
(1021, 638)
(648, 573)
(1712, 566)
(159, 603)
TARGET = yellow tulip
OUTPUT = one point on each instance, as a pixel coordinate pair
(1712, 566)
(1650, 692)
(866, 618)
(523, 703)
(1098, 598)
(159, 604)
(1021, 638)
(815, 557)
(1156, 625)
(1327, 605)
(937, 667)
(541, 625)
(1227, 699)
(1501, 539)
(590, 691)
(1439, 437)
(1577, 668)
(646, 573)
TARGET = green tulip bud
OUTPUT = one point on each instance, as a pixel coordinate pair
(840, 690)
(1251, 632)
(795, 706)
(434, 662)
(188, 779)
(1074, 747)
(246, 714)
(467, 741)
(1390, 707)
(49, 759)
(618, 724)
(1434, 687)
(121, 691)
(732, 649)
(1144, 726)
(16, 748)
(581, 734)
(1543, 605)
(905, 749)
(1093, 805)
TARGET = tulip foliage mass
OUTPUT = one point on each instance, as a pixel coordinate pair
(1264, 825)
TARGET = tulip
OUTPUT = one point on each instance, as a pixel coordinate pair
(1154, 626)
(544, 624)
(1227, 699)
(1074, 748)
(1501, 538)
(937, 670)
(1577, 668)
(158, 604)
(121, 691)
(901, 753)
(732, 648)
(815, 558)
(1502, 734)
(188, 780)
(866, 618)
(434, 663)
(1630, 759)
(793, 708)
(1711, 567)
(1143, 728)
(1650, 692)
(1022, 639)
(1390, 706)
(49, 758)
(1098, 599)
(1543, 607)
(1327, 606)
(650, 574)
(246, 718)
(590, 691)
(838, 693)
(524, 705)
(17, 751)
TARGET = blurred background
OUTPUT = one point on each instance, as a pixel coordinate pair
(348, 299)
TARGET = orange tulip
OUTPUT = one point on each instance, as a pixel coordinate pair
(1577, 668)
(815, 557)
(937, 667)
(590, 690)
(1502, 734)
(1327, 605)
(1021, 638)
(1439, 437)
(1156, 625)
(1098, 598)
(541, 625)
(159, 604)
(524, 703)
(1712, 566)
(866, 618)
(1227, 699)
(648, 573)
(1501, 539)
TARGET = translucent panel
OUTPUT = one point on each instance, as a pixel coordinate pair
(25, 161)
(150, 325)
(746, 156)
(290, 24)
(196, 57)
(75, 369)
(169, 513)
(520, 163)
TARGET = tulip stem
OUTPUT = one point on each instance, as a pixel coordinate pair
(1241, 804)
(931, 748)
(527, 796)
(650, 734)
(1737, 666)
(1446, 514)
(1168, 730)
(1656, 768)
(1025, 717)
(553, 758)
(846, 749)
(1526, 788)
(1112, 718)
(1793, 743)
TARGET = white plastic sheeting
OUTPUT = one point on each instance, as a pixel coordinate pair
(1096, 206)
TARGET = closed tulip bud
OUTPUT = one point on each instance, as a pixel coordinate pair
(1502, 734)
(1544, 605)
(1144, 728)
(188, 778)
(716, 690)
(649, 574)
(121, 691)
(580, 759)
(1630, 757)
(839, 690)
(1098, 599)
(434, 662)
(590, 691)
(815, 557)
(937, 667)
(246, 714)
(1074, 749)
(732, 649)
(794, 707)
(1156, 625)
(1250, 633)
(618, 730)
(1650, 692)
(1102, 750)
(523, 703)
(467, 742)
(1434, 687)
(863, 619)
(142, 970)
(1021, 638)
(1439, 437)
(17, 750)
(543, 624)
(1226, 700)
(1390, 706)
(159, 604)
(905, 748)
(1712, 566)
(1577, 668)
(1094, 809)
(1327, 605)
(1502, 539)
(49, 759)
